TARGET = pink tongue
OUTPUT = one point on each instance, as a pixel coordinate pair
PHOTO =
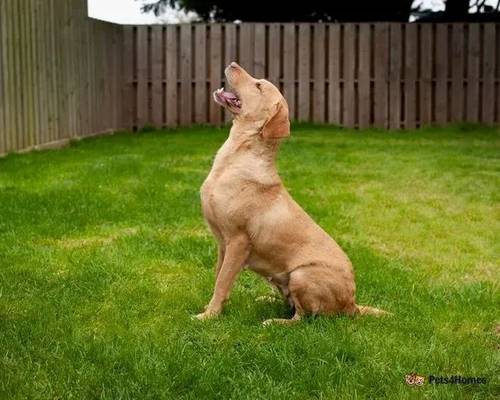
(229, 96)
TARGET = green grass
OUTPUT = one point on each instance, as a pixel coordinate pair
(104, 258)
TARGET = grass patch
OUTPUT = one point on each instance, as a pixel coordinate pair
(104, 257)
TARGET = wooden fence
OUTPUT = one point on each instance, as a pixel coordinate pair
(388, 75)
(60, 73)
(63, 75)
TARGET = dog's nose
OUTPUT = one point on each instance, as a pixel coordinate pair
(234, 65)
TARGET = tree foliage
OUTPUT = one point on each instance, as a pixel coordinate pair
(327, 10)
(282, 11)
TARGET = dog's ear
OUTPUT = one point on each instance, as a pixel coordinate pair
(278, 126)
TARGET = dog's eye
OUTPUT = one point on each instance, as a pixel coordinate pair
(258, 85)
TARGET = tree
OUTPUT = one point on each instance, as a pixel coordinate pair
(279, 11)
(329, 10)
(456, 9)
(463, 10)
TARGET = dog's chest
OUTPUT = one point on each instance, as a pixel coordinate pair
(222, 197)
(230, 190)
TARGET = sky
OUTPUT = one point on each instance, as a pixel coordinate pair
(129, 11)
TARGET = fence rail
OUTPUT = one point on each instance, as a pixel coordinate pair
(387, 75)
(60, 73)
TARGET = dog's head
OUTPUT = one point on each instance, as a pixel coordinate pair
(255, 100)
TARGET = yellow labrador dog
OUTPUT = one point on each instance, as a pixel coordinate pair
(256, 222)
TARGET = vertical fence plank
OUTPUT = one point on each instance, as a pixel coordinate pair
(364, 76)
(35, 39)
(473, 65)
(304, 65)
(186, 92)
(410, 78)
(84, 61)
(75, 74)
(142, 76)
(289, 67)
(42, 73)
(457, 72)
(71, 81)
(230, 55)
(259, 58)
(28, 77)
(274, 56)
(63, 86)
(14, 109)
(91, 78)
(215, 71)
(396, 56)
(425, 80)
(46, 72)
(104, 88)
(349, 101)
(9, 68)
(157, 48)
(200, 74)
(18, 137)
(441, 108)
(381, 61)
(3, 97)
(171, 67)
(94, 79)
(78, 21)
(334, 63)
(118, 78)
(4, 101)
(128, 76)
(230, 44)
(247, 47)
(319, 79)
(70, 86)
(54, 59)
(497, 74)
(488, 100)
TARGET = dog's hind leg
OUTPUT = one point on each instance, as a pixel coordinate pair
(280, 287)
(320, 289)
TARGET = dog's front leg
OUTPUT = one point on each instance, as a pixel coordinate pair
(221, 248)
(221, 252)
(235, 257)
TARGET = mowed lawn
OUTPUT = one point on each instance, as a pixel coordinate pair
(104, 259)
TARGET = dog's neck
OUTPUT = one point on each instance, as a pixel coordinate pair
(246, 151)
(248, 137)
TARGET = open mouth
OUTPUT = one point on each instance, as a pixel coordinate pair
(227, 99)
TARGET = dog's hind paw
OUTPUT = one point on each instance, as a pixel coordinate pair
(282, 321)
(279, 321)
(267, 299)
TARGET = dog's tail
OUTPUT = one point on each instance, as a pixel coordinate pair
(367, 310)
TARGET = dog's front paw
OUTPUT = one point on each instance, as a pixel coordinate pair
(206, 315)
